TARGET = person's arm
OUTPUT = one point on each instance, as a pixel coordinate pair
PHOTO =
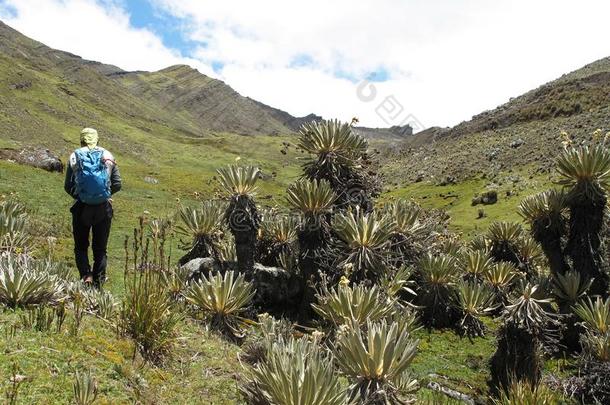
(69, 185)
(115, 179)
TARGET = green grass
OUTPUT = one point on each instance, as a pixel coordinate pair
(456, 200)
(202, 367)
(455, 362)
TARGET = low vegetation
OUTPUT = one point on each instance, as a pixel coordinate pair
(323, 299)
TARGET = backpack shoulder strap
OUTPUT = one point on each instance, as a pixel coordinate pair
(79, 154)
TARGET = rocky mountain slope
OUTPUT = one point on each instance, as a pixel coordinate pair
(523, 133)
(46, 91)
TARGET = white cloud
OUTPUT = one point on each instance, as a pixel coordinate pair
(94, 31)
(446, 60)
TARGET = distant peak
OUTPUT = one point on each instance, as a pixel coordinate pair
(182, 68)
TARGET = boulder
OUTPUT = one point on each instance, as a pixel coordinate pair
(36, 157)
(486, 198)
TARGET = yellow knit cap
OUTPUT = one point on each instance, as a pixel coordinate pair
(89, 137)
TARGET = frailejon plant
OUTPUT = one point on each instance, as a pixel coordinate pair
(222, 299)
(21, 284)
(409, 235)
(294, 372)
(203, 228)
(13, 227)
(398, 283)
(585, 174)
(504, 240)
(474, 300)
(436, 278)
(363, 240)
(527, 327)
(101, 303)
(595, 314)
(546, 214)
(314, 200)
(84, 388)
(241, 215)
(278, 237)
(593, 379)
(500, 277)
(531, 257)
(568, 289)
(264, 333)
(377, 362)
(338, 157)
(346, 305)
(476, 263)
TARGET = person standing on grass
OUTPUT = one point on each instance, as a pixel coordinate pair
(92, 177)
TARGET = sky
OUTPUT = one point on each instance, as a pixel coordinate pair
(386, 62)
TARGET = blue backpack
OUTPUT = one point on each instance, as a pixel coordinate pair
(91, 176)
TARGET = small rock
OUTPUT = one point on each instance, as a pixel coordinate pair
(516, 143)
(151, 180)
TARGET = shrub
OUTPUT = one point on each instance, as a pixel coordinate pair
(525, 393)
(147, 317)
(222, 299)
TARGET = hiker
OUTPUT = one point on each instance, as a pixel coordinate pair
(92, 177)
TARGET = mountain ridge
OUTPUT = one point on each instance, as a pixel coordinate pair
(204, 105)
(525, 132)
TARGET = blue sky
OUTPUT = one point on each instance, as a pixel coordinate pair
(145, 14)
(383, 61)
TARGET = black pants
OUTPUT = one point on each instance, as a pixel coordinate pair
(94, 220)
